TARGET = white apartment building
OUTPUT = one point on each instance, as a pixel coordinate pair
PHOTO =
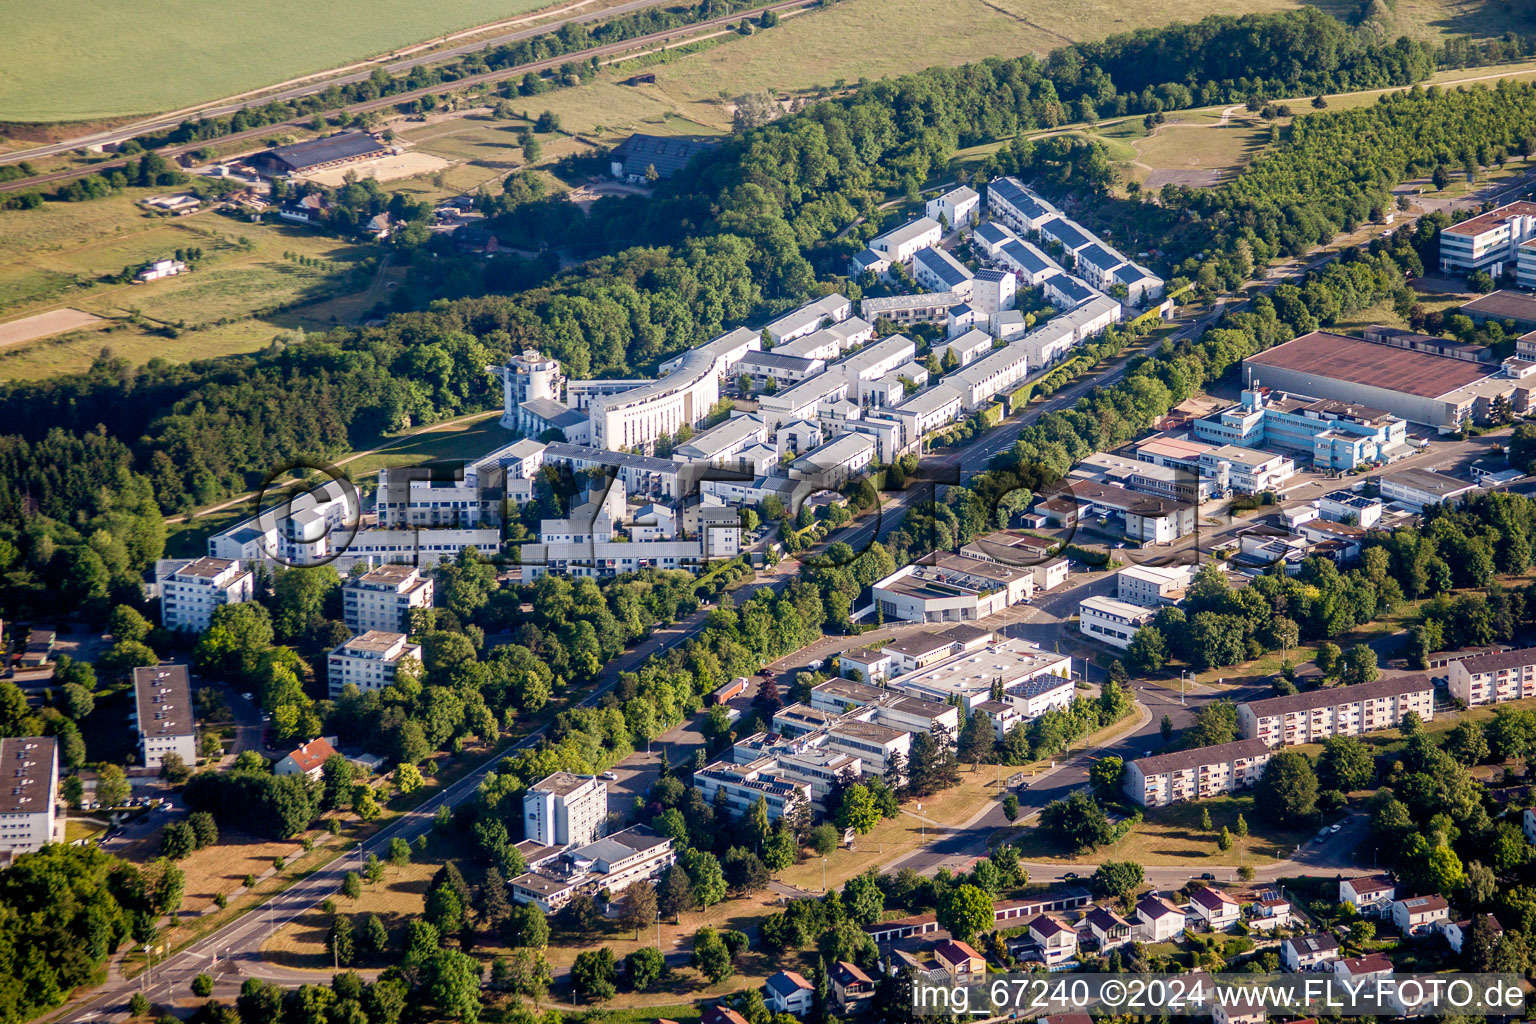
(720, 445)
(998, 373)
(993, 291)
(1488, 241)
(938, 271)
(1315, 715)
(922, 308)
(988, 238)
(1493, 678)
(565, 809)
(834, 463)
(967, 346)
(809, 318)
(637, 416)
(190, 591)
(28, 813)
(1026, 261)
(1196, 774)
(929, 410)
(831, 341)
(370, 661)
(1111, 621)
(162, 698)
(959, 207)
(952, 588)
(1013, 204)
(1151, 586)
(383, 598)
(901, 244)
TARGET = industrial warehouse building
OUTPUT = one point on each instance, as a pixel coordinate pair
(1437, 391)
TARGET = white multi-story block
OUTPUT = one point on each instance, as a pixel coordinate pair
(190, 591)
(951, 589)
(370, 661)
(1315, 715)
(1009, 201)
(384, 598)
(28, 817)
(1152, 586)
(611, 864)
(959, 207)
(1488, 241)
(899, 245)
(1111, 621)
(938, 271)
(565, 809)
(163, 705)
(809, 318)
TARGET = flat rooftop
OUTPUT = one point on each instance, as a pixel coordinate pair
(1356, 361)
(1504, 304)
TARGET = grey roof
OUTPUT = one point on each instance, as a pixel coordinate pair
(1098, 255)
(868, 258)
(667, 153)
(1011, 191)
(1221, 753)
(906, 232)
(992, 275)
(993, 234)
(722, 436)
(1428, 480)
(778, 361)
(26, 774)
(1028, 258)
(1067, 233)
(342, 146)
(163, 699)
(1071, 287)
(950, 271)
(807, 315)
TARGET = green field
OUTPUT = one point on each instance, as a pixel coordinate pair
(72, 60)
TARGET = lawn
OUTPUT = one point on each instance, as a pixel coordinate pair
(1172, 836)
(68, 60)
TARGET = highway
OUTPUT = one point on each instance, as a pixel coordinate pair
(257, 136)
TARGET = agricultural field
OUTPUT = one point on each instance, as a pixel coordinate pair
(122, 59)
(55, 257)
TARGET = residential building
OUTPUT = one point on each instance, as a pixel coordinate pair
(565, 809)
(1152, 586)
(308, 759)
(833, 464)
(852, 989)
(1455, 932)
(1420, 488)
(952, 588)
(1488, 241)
(1067, 292)
(1371, 895)
(929, 410)
(1108, 928)
(1270, 913)
(1010, 202)
(809, 318)
(870, 665)
(369, 661)
(612, 864)
(29, 818)
(789, 992)
(996, 373)
(922, 308)
(1363, 968)
(899, 245)
(959, 207)
(993, 291)
(938, 271)
(1218, 910)
(1237, 1006)
(1057, 939)
(1111, 621)
(384, 598)
(968, 347)
(1196, 774)
(1315, 715)
(190, 591)
(1026, 261)
(1419, 915)
(1157, 920)
(162, 698)
(960, 961)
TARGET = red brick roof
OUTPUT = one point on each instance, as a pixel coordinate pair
(312, 754)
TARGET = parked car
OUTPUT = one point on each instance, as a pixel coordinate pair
(610, 776)
(1208, 877)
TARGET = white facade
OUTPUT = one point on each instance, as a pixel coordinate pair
(1315, 715)
(953, 589)
(565, 809)
(959, 207)
(901, 244)
(1196, 774)
(370, 661)
(1111, 621)
(164, 714)
(28, 812)
(190, 591)
(1493, 678)
(383, 598)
